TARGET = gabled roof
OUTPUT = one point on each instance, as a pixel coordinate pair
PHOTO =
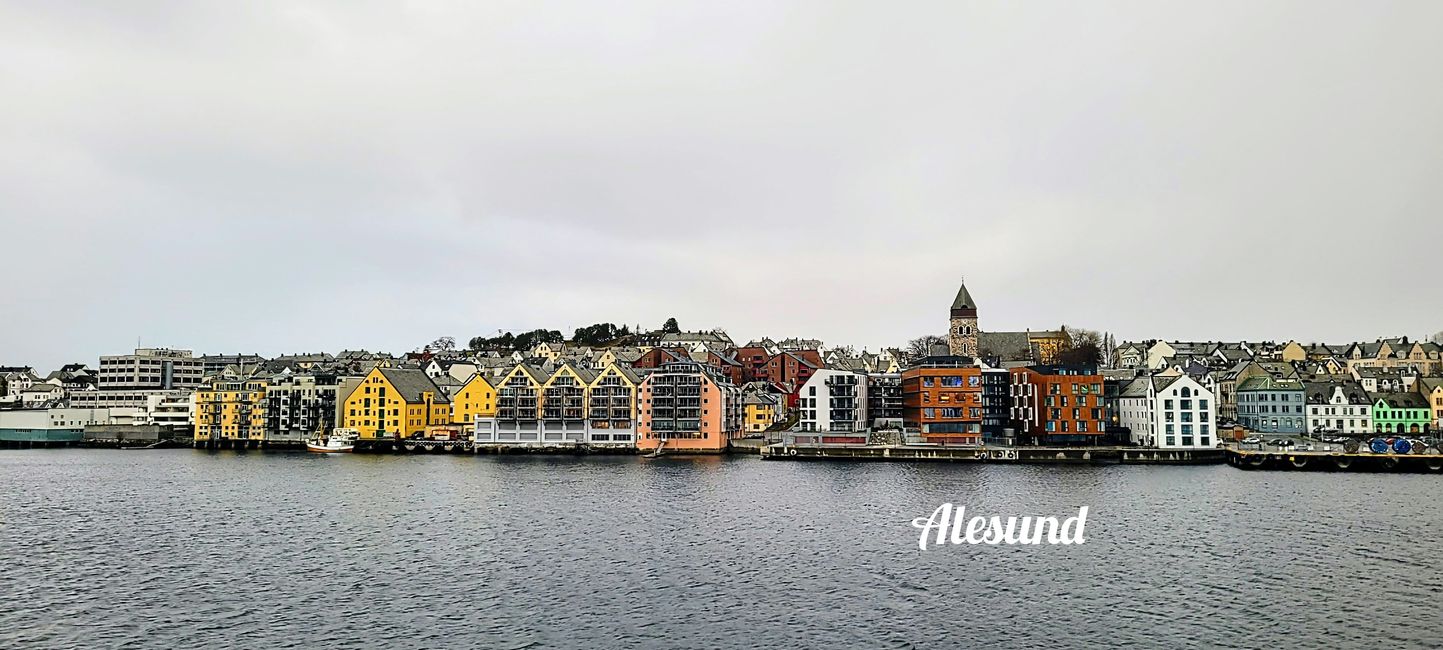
(1401, 400)
(412, 383)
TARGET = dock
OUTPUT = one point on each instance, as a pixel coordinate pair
(1334, 461)
(1099, 455)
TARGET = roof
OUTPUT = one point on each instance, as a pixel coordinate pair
(1322, 392)
(1269, 382)
(964, 299)
(1007, 345)
(412, 383)
(1401, 400)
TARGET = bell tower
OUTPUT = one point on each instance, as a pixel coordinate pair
(962, 330)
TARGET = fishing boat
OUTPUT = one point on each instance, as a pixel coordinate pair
(340, 441)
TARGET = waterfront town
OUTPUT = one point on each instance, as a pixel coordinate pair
(670, 390)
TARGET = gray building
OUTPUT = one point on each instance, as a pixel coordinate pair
(150, 369)
(1267, 404)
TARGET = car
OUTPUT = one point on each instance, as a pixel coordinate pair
(1280, 442)
(1253, 440)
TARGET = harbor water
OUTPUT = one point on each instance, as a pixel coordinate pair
(191, 549)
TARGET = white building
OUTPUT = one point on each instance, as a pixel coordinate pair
(42, 426)
(1168, 412)
(834, 400)
(41, 394)
(1342, 407)
(168, 407)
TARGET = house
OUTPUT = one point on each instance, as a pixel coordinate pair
(1431, 388)
(476, 399)
(759, 410)
(1340, 406)
(42, 394)
(395, 403)
(1401, 413)
(1168, 412)
(1057, 404)
(690, 407)
(1227, 383)
(1269, 404)
(792, 369)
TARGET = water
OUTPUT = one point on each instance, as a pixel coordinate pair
(188, 549)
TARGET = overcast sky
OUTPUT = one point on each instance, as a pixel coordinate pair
(299, 176)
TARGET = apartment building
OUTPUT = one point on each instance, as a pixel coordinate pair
(690, 407)
(150, 369)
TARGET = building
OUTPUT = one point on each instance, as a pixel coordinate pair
(475, 400)
(942, 400)
(1431, 388)
(884, 400)
(1401, 413)
(834, 400)
(1227, 383)
(1168, 412)
(164, 407)
(395, 403)
(518, 407)
(688, 406)
(1268, 404)
(150, 369)
(612, 407)
(1057, 405)
(300, 407)
(759, 411)
(231, 411)
(53, 426)
(1340, 406)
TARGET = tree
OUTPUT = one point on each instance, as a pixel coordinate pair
(598, 334)
(443, 344)
(922, 346)
(1084, 348)
(670, 327)
(1438, 338)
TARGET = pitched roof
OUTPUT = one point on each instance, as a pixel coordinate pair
(964, 299)
(411, 383)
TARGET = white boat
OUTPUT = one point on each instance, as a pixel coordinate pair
(340, 441)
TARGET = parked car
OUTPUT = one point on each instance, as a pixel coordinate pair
(1253, 440)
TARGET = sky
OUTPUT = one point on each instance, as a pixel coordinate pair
(294, 176)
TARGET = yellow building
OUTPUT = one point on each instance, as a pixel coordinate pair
(759, 411)
(477, 398)
(611, 404)
(395, 403)
(231, 410)
(1432, 390)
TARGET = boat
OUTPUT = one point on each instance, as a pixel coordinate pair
(340, 441)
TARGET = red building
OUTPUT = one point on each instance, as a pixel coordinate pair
(1057, 405)
(942, 399)
(792, 369)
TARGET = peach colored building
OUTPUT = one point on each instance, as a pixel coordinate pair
(688, 407)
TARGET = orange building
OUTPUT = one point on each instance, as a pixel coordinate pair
(942, 399)
(689, 407)
(1054, 404)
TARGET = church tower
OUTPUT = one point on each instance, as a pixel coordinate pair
(962, 333)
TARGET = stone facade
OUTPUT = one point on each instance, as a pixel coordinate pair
(962, 327)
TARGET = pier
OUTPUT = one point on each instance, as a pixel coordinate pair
(1334, 461)
(1007, 455)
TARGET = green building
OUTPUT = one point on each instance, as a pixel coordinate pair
(1401, 413)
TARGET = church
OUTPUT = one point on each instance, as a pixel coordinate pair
(965, 337)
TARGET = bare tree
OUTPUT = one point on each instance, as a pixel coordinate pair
(922, 346)
(1438, 338)
(443, 344)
